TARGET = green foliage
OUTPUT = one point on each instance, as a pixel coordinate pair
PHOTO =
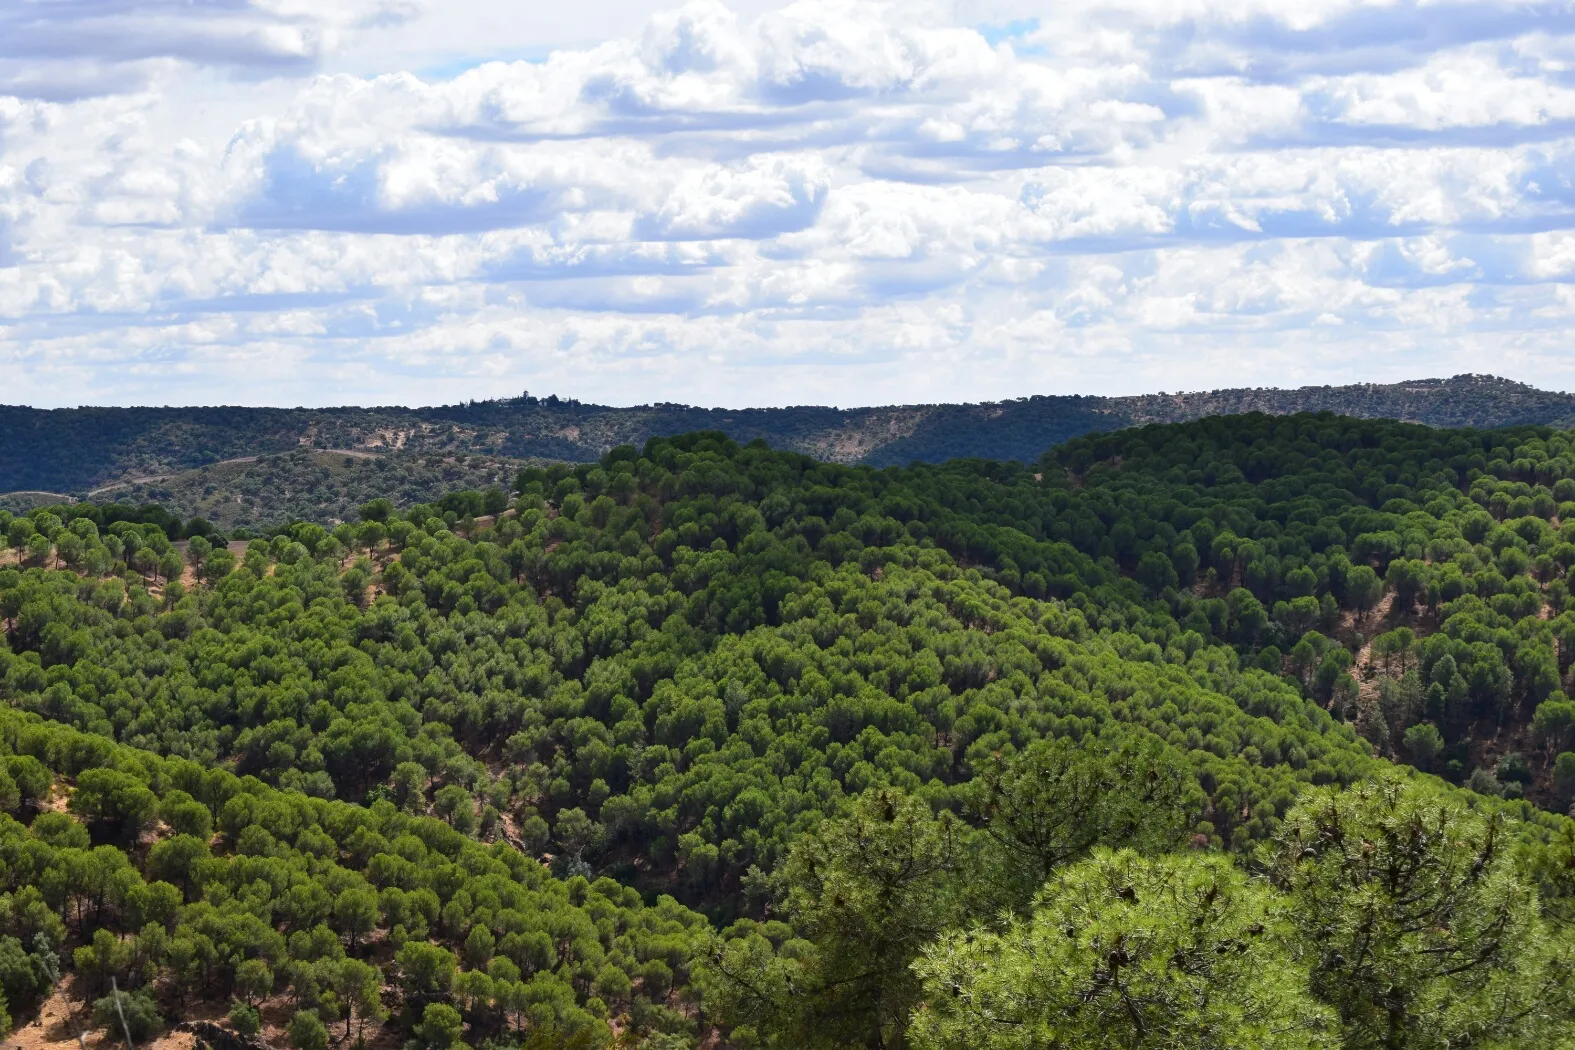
(440, 1027)
(869, 891)
(1123, 951)
(278, 855)
(1564, 776)
(24, 976)
(615, 668)
(113, 799)
(1423, 744)
(1057, 800)
(123, 1013)
(245, 1019)
(253, 980)
(267, 491)
(704, 742)
(1417, 926)
(1553, 725)
(307, 1031)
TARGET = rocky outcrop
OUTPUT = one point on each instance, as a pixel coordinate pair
(217, 1037)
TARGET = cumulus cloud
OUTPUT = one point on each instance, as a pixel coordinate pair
(826, 200)
(76, 48)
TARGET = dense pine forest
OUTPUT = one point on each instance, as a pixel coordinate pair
(1250, 732)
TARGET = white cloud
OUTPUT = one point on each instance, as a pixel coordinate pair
(77, 48)
(1468, 88)
(823, 201)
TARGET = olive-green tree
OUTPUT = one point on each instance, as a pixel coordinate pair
(1416, 925)
(1127, 952)
(1058, 798)
(865, 894)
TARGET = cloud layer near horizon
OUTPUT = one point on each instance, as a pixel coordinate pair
(824, 202)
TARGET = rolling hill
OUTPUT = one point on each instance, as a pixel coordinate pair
(76, 451)
(709, 745)
(310, 485)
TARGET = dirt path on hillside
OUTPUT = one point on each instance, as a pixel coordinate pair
(128, 482)
(1375, 626)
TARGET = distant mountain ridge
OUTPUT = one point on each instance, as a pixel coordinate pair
(79, 449)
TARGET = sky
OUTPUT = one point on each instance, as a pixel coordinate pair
(319, 202)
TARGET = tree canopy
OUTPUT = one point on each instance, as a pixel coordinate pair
(709, 741)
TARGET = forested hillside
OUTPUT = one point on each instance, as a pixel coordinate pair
(308, 485)
(74, 451)
(1246, 732)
